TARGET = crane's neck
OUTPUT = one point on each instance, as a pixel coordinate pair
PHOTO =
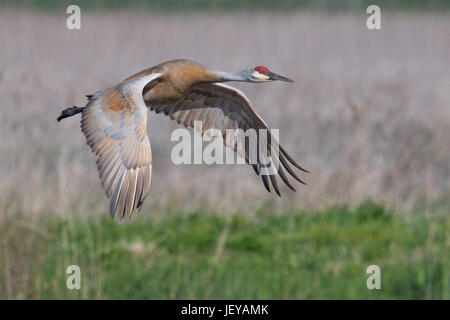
(232, 76)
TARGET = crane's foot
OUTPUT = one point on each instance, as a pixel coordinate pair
(69, 112)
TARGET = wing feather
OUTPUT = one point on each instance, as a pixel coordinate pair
(223, 107)
(114, 123)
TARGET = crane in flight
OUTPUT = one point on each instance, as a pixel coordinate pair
(114, 122)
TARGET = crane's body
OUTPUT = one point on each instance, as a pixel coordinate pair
(114, 122)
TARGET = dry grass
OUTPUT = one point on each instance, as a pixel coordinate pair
(368, 113)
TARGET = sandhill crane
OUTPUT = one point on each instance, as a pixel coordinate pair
(114, 122)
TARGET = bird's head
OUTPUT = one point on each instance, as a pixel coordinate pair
(262, 74)
(256, 74)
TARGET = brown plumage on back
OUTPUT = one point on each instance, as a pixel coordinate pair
(114, 122)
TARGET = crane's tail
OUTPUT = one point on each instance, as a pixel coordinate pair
(70, 112)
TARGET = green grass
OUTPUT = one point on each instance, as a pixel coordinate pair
(294, 255)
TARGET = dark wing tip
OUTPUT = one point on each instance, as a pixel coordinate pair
(291, 160)
(275, 184)
(285, 179)
(266, 182)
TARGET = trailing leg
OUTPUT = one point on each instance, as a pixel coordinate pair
(69, 112)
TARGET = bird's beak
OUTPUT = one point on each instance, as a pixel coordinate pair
(273, 76)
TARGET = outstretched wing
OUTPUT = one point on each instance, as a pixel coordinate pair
(222, 107)
(114, 123)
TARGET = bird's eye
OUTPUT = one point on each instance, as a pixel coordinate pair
(261, 69)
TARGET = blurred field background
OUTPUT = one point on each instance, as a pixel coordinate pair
(368, 115)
